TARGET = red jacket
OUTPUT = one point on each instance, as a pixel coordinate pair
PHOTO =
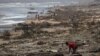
(72, 45)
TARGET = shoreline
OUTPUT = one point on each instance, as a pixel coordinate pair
(29, 17)
(46, 5)
(48, 33)
(49, 8)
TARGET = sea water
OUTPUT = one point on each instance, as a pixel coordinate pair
(13, 13)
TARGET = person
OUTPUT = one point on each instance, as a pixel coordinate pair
(72, 46)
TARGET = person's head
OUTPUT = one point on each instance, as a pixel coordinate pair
(66, 43)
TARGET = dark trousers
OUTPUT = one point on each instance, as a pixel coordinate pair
(72, 50)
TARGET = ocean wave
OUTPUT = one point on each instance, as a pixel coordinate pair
(13, 17)
(10, 22)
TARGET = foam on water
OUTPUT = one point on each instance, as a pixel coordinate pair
(13, 17)
(9, 22)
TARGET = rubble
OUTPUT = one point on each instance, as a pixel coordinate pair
(46, 36)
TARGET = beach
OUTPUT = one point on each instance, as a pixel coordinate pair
(13, 13)
(43, 29)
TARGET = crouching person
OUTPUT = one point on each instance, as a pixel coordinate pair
(72, 47)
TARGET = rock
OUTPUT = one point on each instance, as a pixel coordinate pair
(95, 49)
(59, 54)
(30, 54)
(41, 50)
(76, 55)
(93, 55)
(41, 42)
(41, 54)
(80, 43)
(51, 50)
(54, 44)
